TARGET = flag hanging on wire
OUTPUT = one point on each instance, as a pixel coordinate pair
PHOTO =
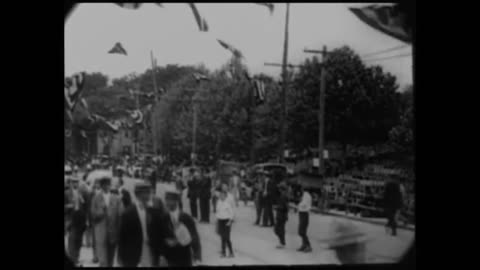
(270, 6)
(229, 47)
(390, 20)
(259, 91)
(201, 22)
(199, 77)
(137, 116)
(118, 48)
(72, 89)
(129, 5)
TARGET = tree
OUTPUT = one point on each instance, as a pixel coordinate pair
(401, 136)
(361, 102)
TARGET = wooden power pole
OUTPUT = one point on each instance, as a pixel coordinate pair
(152, 115)
(321, 111)
(284, 90)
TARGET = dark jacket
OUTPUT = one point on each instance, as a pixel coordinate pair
(131, 238)
(282, 208)
(392, 197)
(193, 189)
(205, 188)
(182, 256)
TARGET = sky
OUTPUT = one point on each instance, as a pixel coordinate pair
(172, 34)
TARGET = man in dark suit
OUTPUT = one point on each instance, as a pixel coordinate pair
(269, 191)
(78, 219)
(140, 236)
(193, 192)
(182, 243)
(282, 215)
(205, 194)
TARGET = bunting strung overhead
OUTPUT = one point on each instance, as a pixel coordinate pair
(390, 20)
(200, 77)
(229, 47)
(68, 133)
(270, 6)
(201, 22)
(72, 90)
(259, 92)
(137, 116)
(129, 5)
(118, 49)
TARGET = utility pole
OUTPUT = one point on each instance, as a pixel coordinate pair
(155, 92)
(252, 124)
(137, 105)
(194, 132)
(321, 111)
(284, 90)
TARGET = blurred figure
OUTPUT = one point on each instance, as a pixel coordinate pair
(234, 189)
(205, 189)
(269, 190)
(348, 244)
(140, 236)
(282, 215)
(225, 215)
(106, 210)
(78, 220)
(258, 194)
(393, 202)
(193, 192)
(182, 243)
(304, 208)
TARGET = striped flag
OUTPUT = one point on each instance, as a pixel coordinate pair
(199, 77)
(390, 20)
(270, 6)
(72, 89)
(229, 47)
(129, 5)
(259, 92)
(202, 23)
(118, 48)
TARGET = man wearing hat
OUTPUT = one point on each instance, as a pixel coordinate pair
(140, 238)
(304, 208)
(78, 219)
(106, 210)
(182, 242)
(347, 242)
(282, 215)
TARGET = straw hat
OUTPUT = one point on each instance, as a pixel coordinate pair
(343, 234)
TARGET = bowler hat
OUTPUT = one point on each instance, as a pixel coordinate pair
(171, 193)
(343, 234)
(104, 181)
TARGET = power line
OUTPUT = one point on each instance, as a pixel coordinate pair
(389, 57)
(387, 50)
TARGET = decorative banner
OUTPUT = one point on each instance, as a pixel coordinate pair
(137, 116)
(72, 89)
(202, 24)
(229, 47)
(270, 6)
(129, 5)
(387, 19)
(259, 91)
(199, 77)
(118, 49)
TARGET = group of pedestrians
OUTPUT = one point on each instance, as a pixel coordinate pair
(139, 231)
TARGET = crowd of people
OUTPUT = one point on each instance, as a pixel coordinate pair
(146, 230)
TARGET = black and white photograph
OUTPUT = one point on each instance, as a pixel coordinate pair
(238, 134)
